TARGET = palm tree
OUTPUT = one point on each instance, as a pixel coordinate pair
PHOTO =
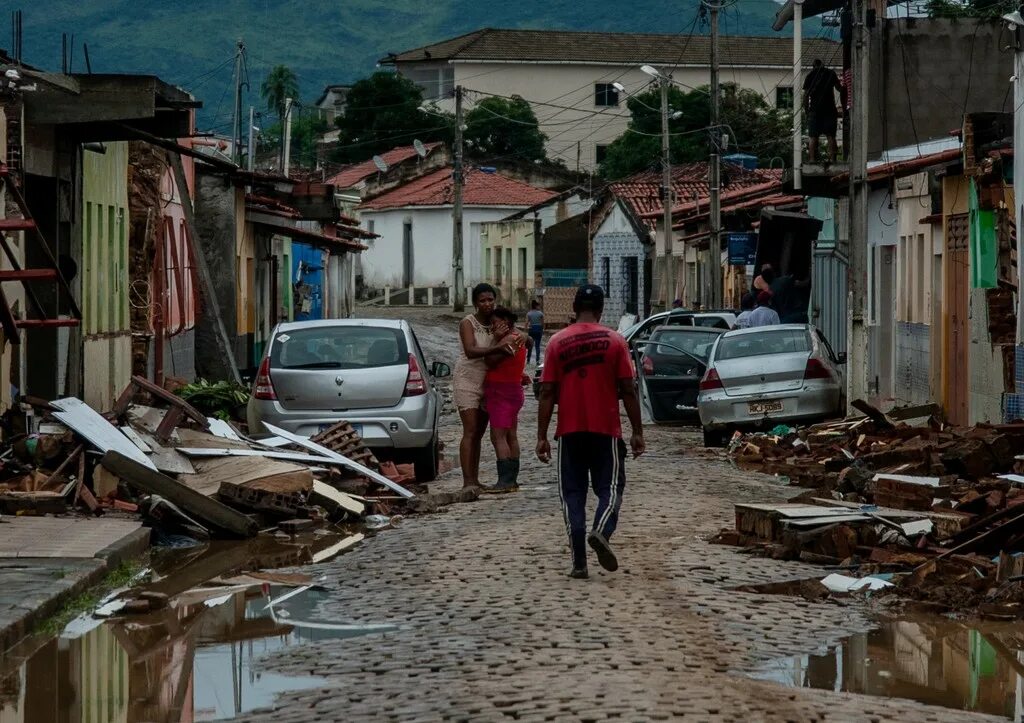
(280, 84)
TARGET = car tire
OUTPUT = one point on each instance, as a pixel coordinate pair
(714, 437)
(427, 462)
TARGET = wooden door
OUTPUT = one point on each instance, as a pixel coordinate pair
(956, 292)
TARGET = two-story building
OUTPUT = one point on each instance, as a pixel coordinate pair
(572, 79)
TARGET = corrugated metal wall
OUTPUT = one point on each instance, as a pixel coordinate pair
(828, 296)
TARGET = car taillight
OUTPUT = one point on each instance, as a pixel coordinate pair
(264, 388)
(711, 381)
(415, 384)
(648, 365)
(816, 370)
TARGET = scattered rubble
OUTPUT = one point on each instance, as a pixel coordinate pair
(192, 477)
(931, 510)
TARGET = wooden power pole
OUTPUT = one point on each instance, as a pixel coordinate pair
(458, 178)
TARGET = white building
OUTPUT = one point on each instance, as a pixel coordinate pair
(414, 225)
(568, 76)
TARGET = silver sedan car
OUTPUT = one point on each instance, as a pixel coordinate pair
(768, 375)
(369, 372)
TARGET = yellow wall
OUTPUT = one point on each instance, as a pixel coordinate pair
(105, 325)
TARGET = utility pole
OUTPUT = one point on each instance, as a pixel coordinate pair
(666, 198)
(251, 155)
(798, 97)
(857, 271)
(236, 128)
(714, 180)
(459, 290)
(287, 135)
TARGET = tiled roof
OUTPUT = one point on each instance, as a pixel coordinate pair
(349, 176)
(619, 48)
(479, 189)
(689, 186)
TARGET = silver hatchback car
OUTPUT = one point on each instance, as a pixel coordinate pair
(768, 375)
(369, 372)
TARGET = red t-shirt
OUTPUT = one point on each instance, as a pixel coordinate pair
(509, 369)
(587, 361)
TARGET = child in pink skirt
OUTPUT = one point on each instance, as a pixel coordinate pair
(504, 397)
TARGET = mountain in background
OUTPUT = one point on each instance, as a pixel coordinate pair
(191, 43)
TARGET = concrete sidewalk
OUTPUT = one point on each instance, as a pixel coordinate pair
(44, 561)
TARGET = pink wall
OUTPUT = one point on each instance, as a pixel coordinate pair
(176, 286)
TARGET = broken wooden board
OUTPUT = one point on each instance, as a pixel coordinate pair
(334, 456)
(767, 521)
(147, 418)
(330, 498)
(167, 459)
(268, 475)
(205, 509)
(873, 413)
(204, 440)
(86, 422)
(265, 454)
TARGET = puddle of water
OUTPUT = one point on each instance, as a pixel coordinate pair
(195, 660)
(976, 667)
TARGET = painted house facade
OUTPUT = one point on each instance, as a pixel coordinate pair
(413, 223)
(568, 76)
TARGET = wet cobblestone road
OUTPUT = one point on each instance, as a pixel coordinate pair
(492, 629)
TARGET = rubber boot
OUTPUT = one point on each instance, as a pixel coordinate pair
(515, 472)
(506, 478)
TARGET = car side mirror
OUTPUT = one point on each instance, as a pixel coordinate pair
(440, 370)
(841, 358)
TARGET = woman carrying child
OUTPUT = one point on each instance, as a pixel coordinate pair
(504, 396)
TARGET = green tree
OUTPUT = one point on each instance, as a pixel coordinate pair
(504, 127)
(752, 125)
(383, 111)
(970, 8)
(279, 85)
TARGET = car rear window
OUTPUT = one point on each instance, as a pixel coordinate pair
(781, 341)
(339, 347)
(697, 343)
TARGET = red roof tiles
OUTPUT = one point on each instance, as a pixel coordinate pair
(349, 176)
(690, 187)
(480, 189)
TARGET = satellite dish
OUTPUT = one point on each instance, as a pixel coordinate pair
(379, 162)
(421, 150)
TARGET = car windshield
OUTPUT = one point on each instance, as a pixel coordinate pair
(697, 343)
(339, 347)
(775, 341)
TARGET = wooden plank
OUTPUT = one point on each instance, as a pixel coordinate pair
(167, 459)
(361, 469)
(269, 475)
(85, 421)
(191, 502)
(269, 454)
(209, 294)
(337, 498)
(136, 439)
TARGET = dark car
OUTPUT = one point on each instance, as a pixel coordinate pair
(673, 361)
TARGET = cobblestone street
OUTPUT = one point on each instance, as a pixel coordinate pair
(491, 628)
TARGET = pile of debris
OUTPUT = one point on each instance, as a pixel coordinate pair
(936, 511)
(197, 477)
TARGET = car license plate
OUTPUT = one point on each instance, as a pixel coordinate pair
(764, 407)
(357, 427)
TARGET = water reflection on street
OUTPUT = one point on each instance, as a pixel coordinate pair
(194, 660)
(977, 667)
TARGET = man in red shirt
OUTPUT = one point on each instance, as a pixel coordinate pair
(586, 370)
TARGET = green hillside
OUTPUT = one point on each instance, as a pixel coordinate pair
(191, 43)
